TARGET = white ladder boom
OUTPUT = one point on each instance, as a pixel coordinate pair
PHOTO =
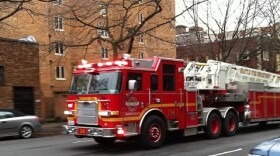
(220, 75)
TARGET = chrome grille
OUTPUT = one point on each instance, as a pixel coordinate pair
(87, 112)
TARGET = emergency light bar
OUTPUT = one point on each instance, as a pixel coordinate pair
(118, 63)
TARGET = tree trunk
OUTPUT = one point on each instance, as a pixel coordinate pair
(115, 52)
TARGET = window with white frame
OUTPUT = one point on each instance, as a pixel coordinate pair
(141, 38)
(59, 48)
(103, 10)
(104, 53)
(265, 55)
(58, 23)
(103, 34)
(141, 55)
(60, 73)
(277, 62)
(1, 74)
(140, 18)
(58, 2)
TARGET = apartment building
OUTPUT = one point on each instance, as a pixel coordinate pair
(64, 42)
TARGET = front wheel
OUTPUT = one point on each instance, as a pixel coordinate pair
(230, 124)
(213, 128)
(25, 132)
(104, 141)
(153, 132)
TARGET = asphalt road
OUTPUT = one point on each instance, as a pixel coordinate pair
(66, 145)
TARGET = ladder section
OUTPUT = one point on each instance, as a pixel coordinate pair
(217, 75)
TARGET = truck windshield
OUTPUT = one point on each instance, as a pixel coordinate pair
(98, 83)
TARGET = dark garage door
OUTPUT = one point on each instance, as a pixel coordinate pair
(24, 99)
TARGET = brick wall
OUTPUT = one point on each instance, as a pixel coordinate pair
(212, 50)
(20, 60)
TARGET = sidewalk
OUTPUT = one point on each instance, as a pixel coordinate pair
(51, 129)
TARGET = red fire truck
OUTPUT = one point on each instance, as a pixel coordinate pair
(146, 98)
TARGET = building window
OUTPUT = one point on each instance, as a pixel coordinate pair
(140, 18)
(141, 55)
(60, 73)
(58, 2)
(104, 34)
(104, 53)
(265, 55)
(244, 56)
(141, 38)
(58, 23)
(277, 62)
(103, 10)
(59, 48)
(1, 74)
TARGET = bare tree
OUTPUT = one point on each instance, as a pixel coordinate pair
(8, 8)
(110, 23)
(229, 24)
(270, 12)
(117, 23)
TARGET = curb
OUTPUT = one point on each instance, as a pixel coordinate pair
(51, 129)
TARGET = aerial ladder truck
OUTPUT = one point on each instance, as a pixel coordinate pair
(143, 99)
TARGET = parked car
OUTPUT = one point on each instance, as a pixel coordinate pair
(16, 123)
(267, 148)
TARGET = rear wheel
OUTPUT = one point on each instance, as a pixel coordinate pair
(230, 124)
(213, 128)
(104, 141)
(152, 132)
(263, 123)
(79, 136)
(25, 132)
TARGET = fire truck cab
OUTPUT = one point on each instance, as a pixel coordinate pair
(126, 98)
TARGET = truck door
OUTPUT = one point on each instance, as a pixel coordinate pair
(171, 93)
(135, 101)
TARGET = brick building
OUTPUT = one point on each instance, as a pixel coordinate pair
(255, 48)
(57, 58)
(19, 76)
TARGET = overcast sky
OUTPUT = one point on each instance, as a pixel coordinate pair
(217, 8)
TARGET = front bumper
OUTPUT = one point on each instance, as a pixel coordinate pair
(90, 131)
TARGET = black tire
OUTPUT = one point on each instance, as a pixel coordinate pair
(230, 124)
(104, 141)
(213, 128)
(153, 132)
(263, 123)
(79, 136)
(25, 132)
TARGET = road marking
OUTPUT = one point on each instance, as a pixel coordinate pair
(82, 141)
(227, 152)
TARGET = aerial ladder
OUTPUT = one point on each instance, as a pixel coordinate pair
(217, 75)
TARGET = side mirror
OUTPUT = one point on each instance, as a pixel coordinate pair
(132, 85)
